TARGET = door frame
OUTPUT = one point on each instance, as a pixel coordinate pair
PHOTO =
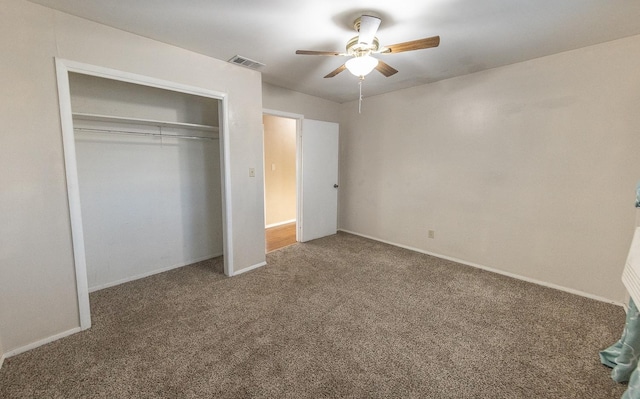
(63, 68)
(299, 202)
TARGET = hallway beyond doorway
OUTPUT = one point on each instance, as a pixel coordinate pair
(280, 236)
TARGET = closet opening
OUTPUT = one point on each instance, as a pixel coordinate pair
(146, 176)
(148, 164)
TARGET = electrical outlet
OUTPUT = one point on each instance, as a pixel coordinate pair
(432, 234)
(252, 172)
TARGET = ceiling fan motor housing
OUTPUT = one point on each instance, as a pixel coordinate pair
(360, 49)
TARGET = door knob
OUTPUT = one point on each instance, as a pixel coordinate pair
(335, 186)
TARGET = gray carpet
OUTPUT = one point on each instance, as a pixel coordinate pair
(342, 316)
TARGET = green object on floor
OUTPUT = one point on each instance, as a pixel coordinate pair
(633, 391)
(623, 356)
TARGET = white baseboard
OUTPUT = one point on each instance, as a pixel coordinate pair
(493, 270)
(1, 360)
(247, 269)
(151, 273)
(279, 223)
(41, 342)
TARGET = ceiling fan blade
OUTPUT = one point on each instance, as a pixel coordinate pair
(413, 45)
(336, 71)
(385, 69)
(311, 52)
(368, 28)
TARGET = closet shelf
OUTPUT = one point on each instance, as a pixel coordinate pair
(148, 122)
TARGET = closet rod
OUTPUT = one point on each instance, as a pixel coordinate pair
(128, 133)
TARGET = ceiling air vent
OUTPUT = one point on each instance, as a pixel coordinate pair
(245, 62)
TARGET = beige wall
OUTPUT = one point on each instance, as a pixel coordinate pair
(279, 169)
(37, 281)
(279, 99)
(529, 169)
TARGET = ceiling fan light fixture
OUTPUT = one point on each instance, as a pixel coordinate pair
(361, 66)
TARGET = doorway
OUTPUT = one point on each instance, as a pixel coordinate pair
(280, 180)
(316, 177)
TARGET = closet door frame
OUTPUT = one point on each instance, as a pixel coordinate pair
(63, 68)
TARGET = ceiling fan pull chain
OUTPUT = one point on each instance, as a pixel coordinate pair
(360, 97)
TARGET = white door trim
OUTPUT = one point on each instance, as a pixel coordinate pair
(63, 67)
(299, 202)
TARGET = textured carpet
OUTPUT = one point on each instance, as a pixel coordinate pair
(342, 316)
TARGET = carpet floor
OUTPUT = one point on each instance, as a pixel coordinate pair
(341, 316)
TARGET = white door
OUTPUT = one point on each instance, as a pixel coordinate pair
(319, 169)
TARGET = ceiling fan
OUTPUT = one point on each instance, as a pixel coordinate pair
(366, 43)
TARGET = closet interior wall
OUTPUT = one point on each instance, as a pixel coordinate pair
(149, 178)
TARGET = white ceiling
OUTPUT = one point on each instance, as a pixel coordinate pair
(475, 35)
